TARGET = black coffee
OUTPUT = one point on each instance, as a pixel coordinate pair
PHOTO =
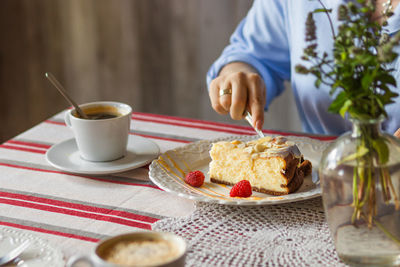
(99, 112)
(101, 116)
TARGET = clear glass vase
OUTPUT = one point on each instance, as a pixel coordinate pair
(360, 179)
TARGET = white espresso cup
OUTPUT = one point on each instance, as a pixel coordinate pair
(150, 248)
(103, 137)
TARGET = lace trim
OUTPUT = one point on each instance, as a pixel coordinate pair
(293, 234)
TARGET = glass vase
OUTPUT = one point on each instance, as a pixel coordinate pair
(360, 180)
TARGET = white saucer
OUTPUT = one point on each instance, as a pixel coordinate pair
(65, 156)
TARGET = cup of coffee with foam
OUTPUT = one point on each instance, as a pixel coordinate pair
(137, 249)
(103, 136)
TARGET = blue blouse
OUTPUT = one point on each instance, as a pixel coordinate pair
(271, 38)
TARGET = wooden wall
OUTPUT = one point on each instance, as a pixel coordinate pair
(151, 54)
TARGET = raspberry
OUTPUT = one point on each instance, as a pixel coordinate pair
(241, 189)
(195, 178)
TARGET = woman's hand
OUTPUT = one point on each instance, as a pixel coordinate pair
(397, 133)
(239, 88)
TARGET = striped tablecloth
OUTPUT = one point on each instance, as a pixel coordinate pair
(73, 211)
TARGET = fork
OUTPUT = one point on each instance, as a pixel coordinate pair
(249, 119)
(15, 252)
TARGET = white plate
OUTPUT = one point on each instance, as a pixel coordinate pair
(65, 156)
(195, 156)
(38, 254)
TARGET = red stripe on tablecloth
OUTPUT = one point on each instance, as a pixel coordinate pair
(25, 143)
(60, 203)
(71, 174)
(143, 135)
(193, 126)
(321, 138)
(219, 124)
(163, 117)
(246, 130)
(23, 149)
(55, 122)
(162, 138)
(48, 146)
(75, 213)
(41, 230)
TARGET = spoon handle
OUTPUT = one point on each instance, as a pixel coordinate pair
(61, 89)
(14, 252)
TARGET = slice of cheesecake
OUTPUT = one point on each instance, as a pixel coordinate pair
(272, 165)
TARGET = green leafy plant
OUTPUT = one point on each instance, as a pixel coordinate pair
(361, 81)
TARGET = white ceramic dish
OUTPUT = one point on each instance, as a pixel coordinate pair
(195, 156)
(98, 256)
(65, 156)
(38, 254)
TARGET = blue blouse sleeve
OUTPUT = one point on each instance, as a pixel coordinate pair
(261, 41)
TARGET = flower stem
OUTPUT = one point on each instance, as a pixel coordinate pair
(355, 195)
(330, 20)
(396, 198)
(387, 233)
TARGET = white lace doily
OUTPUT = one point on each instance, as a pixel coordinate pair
(293, 234)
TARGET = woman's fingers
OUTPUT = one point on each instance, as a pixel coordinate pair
(235, 92)
(256, 100)
(225, 95)
(239, 95)
(397, 133)
(215, 97)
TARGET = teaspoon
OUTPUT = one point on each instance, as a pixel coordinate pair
(61, 89)
(12, 254)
